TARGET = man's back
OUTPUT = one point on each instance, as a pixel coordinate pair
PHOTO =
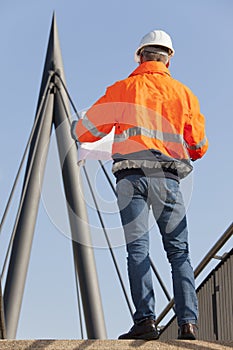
(151, 86)
(151, 112)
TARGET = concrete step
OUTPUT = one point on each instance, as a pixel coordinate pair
(50, 344)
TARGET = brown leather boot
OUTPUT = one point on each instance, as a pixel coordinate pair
(188, 331)
(144, 330)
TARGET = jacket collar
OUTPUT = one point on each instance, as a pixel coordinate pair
(151, 67)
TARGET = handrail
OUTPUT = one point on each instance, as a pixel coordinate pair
(210, 255)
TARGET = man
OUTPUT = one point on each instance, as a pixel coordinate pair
(159, 130)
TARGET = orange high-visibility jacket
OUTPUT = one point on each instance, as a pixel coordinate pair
(157, 121)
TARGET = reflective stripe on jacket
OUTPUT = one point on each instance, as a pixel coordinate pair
(151, 112)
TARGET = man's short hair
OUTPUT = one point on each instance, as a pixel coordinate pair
(155, 53)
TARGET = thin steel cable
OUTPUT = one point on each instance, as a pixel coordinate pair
(79, 306)
(108, 242)
(67, 93)
(26, 180)
(162, 285)
(24, 154)
(108, 177)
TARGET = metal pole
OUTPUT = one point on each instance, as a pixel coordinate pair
(24, 230)
(81, 239)
(24, 233)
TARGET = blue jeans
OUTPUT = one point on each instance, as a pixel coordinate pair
(136, 194)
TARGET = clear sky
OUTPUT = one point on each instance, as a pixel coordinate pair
(98, 40)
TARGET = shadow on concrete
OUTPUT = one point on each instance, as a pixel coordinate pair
(85, 344)
(41, 344)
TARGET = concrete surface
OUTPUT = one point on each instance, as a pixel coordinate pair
(50, 344)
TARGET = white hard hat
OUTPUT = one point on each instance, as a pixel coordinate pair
(155, 37)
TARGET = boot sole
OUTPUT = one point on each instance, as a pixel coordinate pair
(147, 336)
(187, 337)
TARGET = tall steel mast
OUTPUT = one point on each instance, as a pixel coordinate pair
(53, 108)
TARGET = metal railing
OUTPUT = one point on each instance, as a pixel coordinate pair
(215, 300)
(210, 255)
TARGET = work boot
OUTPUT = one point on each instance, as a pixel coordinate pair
(188, 331)
(145, 330)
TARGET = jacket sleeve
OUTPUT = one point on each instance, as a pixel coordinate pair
(97, 122)
(194, 131)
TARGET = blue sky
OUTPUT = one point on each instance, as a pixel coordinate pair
(98, 40)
